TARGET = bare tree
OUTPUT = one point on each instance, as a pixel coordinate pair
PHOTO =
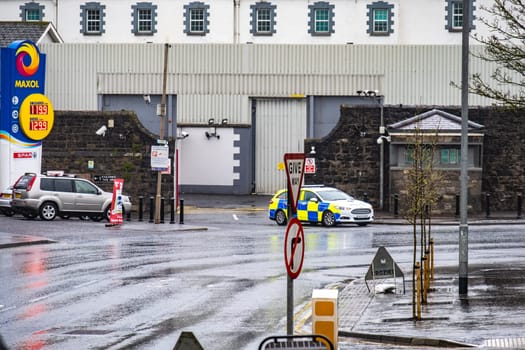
(422, 183)
(505, 47)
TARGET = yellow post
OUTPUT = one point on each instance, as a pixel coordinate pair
(324, 314)
(427, 276)
(432, 258)
(418, 291)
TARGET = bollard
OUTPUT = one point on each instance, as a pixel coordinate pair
(426, 275)
(151, 209)
(162, 210)
(324, 314)
(141, 207)
(128, 216)
(519, 207)
(172, 210)
(181, 219)
(396, 205)
(365, 197)
(487, 204)
(457, 204)
(418, 291)
(432, 258)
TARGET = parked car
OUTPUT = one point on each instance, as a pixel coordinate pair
(5, 202)
(62, 195)
(320, 204)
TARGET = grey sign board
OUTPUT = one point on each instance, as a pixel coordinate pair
(383, 266)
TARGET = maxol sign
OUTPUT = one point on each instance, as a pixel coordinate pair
(26, 114)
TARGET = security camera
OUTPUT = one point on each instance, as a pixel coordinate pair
(101, 131)
(147, 99)
(184, 134)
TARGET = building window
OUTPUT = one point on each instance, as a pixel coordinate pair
(450, 156)
(263, 18)
(31, 12)
(196, 18)
(380, 19)
(92, 18)
(144, 18)
(321, 19)
(454, 15)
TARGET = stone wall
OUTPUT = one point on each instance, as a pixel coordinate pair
(348, 159)
(124, 151)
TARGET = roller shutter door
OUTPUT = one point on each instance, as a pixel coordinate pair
(280, 127)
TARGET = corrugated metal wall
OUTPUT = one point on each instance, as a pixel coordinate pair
(408, 75)
(280, 127)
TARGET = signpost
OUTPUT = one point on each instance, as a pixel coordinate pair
(294, 240)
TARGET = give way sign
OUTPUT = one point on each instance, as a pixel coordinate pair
(294, 172)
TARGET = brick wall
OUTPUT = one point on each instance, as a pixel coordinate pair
(349, 161)
(124, 151)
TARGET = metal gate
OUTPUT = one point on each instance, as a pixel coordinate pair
(280, 127)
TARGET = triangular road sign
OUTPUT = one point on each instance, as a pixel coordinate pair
(294, 172)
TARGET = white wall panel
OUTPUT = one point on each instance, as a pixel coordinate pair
(408, 75)
(196, 108)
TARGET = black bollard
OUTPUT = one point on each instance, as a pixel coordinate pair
(365, 197)
(162, 210)
(487, 204)
(172, 210)
(396, 205)
(181, 213)
(457, 204)
(141, 207)
(128, 216)
(519, 206)
(151, 209)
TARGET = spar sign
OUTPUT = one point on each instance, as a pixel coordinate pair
(26, 114)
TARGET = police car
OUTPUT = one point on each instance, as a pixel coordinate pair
(326, 205)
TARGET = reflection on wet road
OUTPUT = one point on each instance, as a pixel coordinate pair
(130, 288)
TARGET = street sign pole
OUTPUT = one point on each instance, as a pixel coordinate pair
(294, 163)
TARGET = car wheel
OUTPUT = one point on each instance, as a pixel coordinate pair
(48, 211)
(280, 218)
(328, 218)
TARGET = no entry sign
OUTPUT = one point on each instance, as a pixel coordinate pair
(294, 248)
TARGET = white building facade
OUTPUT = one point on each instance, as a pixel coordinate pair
(371, 22)
(276, 71)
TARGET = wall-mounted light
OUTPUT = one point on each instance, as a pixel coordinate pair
(147, 98)
(381, 138)
(367, 92)
(213, 128)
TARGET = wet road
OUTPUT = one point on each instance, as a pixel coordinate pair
(129, 288)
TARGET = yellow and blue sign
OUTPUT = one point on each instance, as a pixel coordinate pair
(26, 114)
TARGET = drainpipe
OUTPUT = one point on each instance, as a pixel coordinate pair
(236, 10)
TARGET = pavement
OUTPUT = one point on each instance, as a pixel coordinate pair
(482, 319)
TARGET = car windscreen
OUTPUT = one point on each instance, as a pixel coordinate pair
(334, 195)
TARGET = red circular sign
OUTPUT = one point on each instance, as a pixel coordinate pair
(294, 248)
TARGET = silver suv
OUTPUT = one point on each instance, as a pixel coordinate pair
(65, 196)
